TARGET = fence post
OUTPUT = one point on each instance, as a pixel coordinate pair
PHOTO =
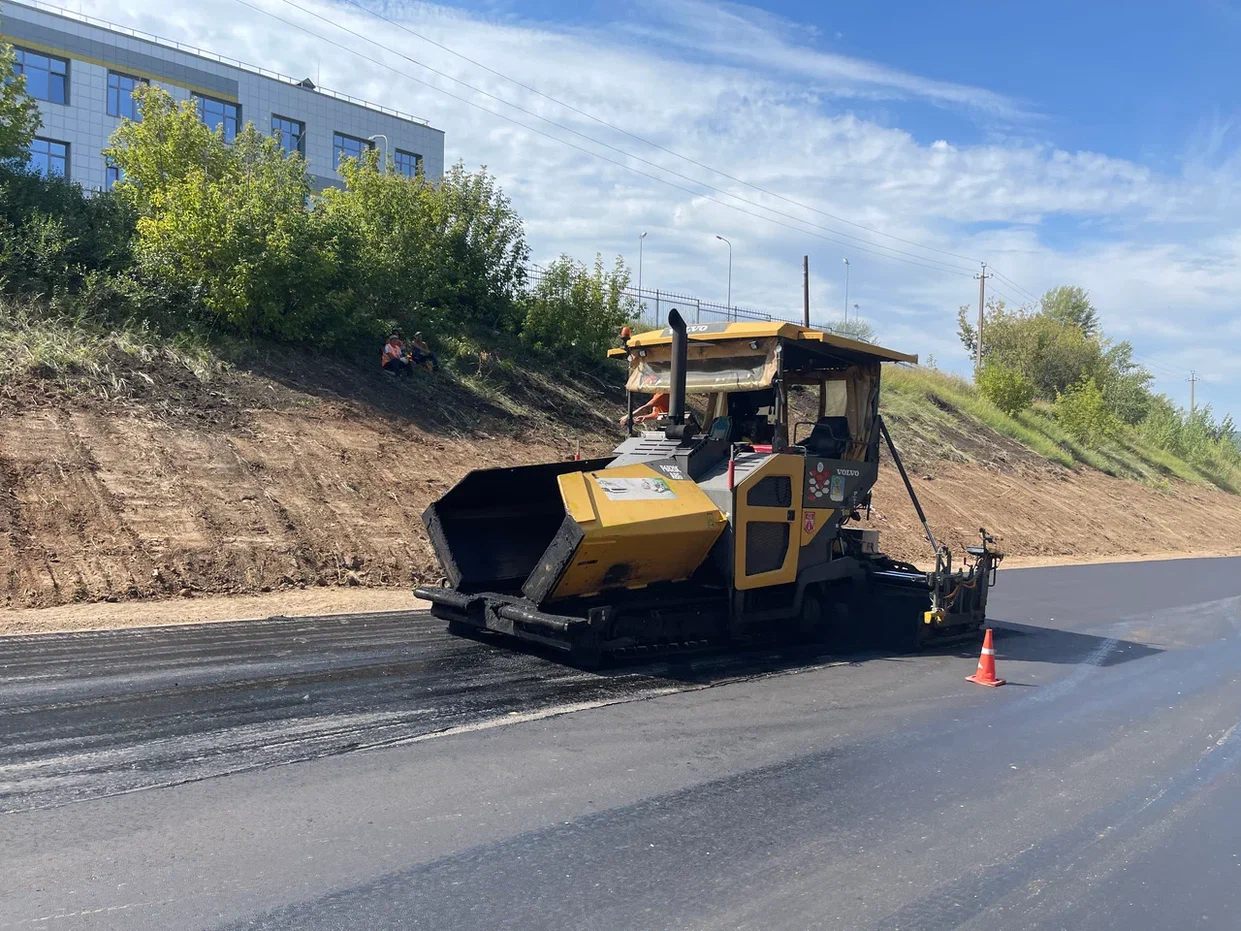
(698, 313)
(657, 308)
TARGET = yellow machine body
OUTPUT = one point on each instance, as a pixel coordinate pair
(638, 527)
(768, 526)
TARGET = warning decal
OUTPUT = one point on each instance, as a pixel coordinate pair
(808, 522)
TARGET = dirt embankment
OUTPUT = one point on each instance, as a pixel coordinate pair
(316, 476)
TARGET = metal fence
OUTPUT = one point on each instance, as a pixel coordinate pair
(653, 305)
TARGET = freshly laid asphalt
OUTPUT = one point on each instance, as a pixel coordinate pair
(371, 772)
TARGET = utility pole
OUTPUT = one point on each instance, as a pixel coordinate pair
(982, 298)
(805, 290)
(1193, 380)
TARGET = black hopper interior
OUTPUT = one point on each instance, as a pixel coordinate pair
(491, 528)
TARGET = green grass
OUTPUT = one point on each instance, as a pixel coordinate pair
(921, 388)
(933, 406)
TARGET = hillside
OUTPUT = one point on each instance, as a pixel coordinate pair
(133, 469)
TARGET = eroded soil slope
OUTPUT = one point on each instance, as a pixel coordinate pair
(317, 474)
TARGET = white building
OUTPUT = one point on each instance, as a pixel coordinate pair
(82, 71)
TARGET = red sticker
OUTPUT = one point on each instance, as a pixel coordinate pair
(808, 524)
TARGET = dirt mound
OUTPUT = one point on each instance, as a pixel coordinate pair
(302, 471)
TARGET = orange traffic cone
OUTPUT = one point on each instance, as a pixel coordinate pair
(986, 665)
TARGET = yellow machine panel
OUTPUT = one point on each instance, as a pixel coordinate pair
(639, 527)
(768, 523)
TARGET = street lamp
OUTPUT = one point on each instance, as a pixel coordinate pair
(857, 313)
(640, 238)
(846, 261)
(730, 271)
(383, 165)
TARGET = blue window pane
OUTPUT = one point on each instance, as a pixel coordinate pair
(121, 95)
(347, 147)
(407, 162)
(290, 133)
(112, 174)
(49, 158)
(220, 114)
(47, 77)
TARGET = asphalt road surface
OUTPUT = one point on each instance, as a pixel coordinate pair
(371, 772)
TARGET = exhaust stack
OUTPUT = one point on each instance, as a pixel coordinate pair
(680, 360)
(681, 426)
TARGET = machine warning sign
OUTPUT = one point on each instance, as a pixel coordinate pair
(808, 522)
(635, 489)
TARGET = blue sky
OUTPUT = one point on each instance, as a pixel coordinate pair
(1088, 143)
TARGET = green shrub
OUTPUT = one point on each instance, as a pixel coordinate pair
(1006, 388)
(1083, 412)
(574, 311)
(53, 235)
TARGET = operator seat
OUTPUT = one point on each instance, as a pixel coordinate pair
(829, 439)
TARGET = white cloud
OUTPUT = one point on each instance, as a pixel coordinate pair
(1157, 251)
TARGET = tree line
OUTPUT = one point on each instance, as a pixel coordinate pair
(1055, 353)
(230, 236)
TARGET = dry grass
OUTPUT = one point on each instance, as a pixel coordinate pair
(82, 354)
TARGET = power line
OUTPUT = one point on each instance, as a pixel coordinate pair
(1168, 370)
(620, 151)
(939, 267)
(1007, 297)
(644, 141)
(1013, 284)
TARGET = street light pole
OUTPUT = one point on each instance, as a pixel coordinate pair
(846, 261)
(730, 272)
(383, 165)
(640, 238)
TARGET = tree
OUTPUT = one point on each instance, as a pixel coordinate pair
(225, 223)
(1082, 410)
(19, 114)
(1126, 385)
(578, 311)
(1006, 388)
(433, 255)
(857, 328)
(1070, 305)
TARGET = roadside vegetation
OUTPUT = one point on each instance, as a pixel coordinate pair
(224, 245)
(1053, 382)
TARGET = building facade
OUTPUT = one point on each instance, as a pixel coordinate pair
(83, 71)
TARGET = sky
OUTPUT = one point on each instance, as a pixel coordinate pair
(1093, 144)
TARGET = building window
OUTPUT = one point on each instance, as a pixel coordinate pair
(291, 134)
(220, 114)
(347, 147)
(112, 174)
(121, 95)
(49, 157)
(47, 77)
(407, 162)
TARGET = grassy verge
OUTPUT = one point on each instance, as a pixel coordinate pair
(936, 405)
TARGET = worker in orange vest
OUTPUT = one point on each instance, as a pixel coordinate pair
(656, 407)
(393, 358)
